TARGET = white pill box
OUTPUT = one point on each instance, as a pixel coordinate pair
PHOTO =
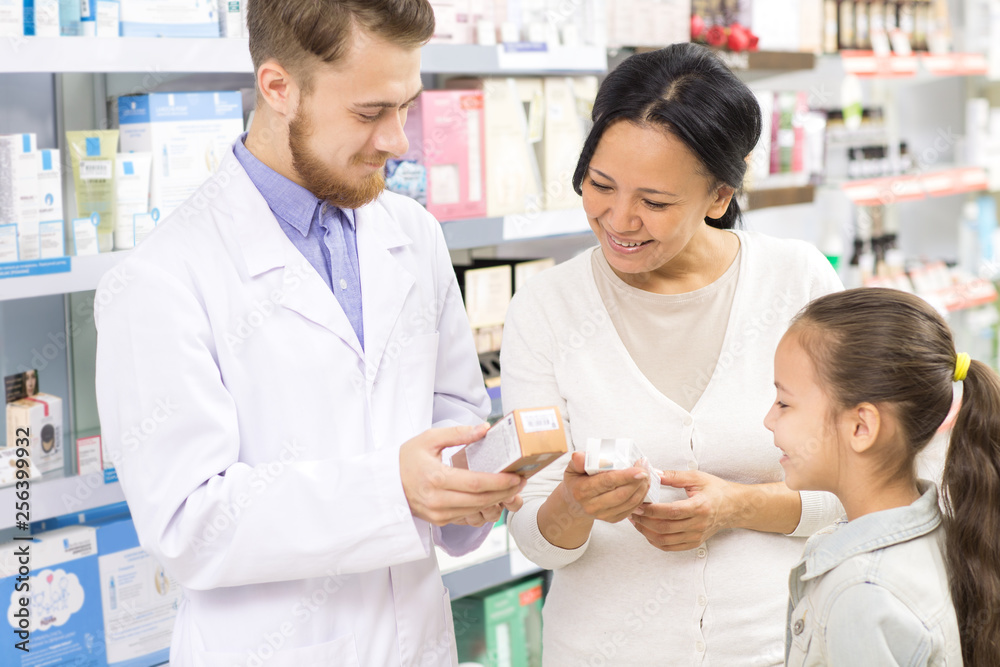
(522, 442)
(604, 454)
(42, 415)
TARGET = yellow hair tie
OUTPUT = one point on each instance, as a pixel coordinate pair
(962, 363)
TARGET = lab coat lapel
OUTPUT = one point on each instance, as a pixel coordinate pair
(385, 282)
(265, 247)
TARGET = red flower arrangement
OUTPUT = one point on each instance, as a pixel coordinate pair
(735, 37)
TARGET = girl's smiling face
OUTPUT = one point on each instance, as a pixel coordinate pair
(803, 421)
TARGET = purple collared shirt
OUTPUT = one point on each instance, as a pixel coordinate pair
(324, 234)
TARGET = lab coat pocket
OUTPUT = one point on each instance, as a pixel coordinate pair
(418, 370)
(341, 652)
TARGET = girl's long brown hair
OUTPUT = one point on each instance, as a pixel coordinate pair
(893, 350)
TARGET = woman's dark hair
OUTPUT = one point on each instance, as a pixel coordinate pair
(893, 350)
(686, 90)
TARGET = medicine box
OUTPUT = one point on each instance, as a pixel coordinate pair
(523, 442)
(19, 167)
(501, 628)
(42, 415)
(604, 454)
(445, 163)
(64, 602)
(139, 600)
(188, 135)
(169, 18)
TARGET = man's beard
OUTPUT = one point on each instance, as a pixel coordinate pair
(322, 181)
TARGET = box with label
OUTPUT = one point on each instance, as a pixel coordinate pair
(19, 167)
(42, 415)
(64, 618)
(604, 454)
(188, 135)
(51, 239)
(169, 18)
(513, 184)
(568, 105)
(139, 600)
(446, 134)
(501, 628)
(523, 442)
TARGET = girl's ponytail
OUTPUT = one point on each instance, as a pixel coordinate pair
(971, 487)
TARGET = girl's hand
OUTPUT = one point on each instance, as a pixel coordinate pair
(608, 496)
(713, 504)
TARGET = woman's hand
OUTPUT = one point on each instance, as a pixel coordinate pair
(608, 496)
(713, 504)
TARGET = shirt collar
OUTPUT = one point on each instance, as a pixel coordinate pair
(288, 200)
(871, 532)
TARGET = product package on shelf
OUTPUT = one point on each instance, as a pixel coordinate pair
(56, 611)
(132, 197)
(19, 167)
(512, 180)
(41, 18)
(187, 134)
(231, 18)
(568, 103)
(51, 220)
(92, 153)
(652, 23)
(139, 600)
(169, 18)
(11, 18)
(502, 627)
(445, 164)
(35, 418)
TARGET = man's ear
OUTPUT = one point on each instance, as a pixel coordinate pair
(863, 424)
(723, 195)
(277, 88)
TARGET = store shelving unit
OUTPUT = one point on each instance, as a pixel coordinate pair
(138, 54)
(494, 572)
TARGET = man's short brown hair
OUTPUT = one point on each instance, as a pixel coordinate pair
(302, 33)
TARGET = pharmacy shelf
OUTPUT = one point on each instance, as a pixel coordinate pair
(868, 64)
(523, 58)
(770, 61)
(154, 55)
(82, 275)
(476, 233)
(494, 572)
(123, 54)
(937, 183)
(783, 196)
(52, 497)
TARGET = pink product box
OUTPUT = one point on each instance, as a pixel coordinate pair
(447, 136)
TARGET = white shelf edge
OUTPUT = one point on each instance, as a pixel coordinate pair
(152, 55)
(63, 495)
(124, 54)
(85, 273)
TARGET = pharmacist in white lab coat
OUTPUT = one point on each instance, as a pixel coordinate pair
(271, 358)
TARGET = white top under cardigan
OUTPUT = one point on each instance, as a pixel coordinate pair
(617, 600)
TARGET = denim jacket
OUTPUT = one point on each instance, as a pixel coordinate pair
(874, 591)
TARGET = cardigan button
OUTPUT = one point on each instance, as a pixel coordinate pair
(798, 627)
(688, 421)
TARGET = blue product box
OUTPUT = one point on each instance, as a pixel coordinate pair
(139, 600)
(64, 616)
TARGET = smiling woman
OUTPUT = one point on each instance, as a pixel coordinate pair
(689, 311)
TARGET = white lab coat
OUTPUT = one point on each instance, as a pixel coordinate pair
(256, 444)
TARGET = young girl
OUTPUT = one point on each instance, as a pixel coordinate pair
(864, 380)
